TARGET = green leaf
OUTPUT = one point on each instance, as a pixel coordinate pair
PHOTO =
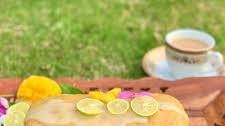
(11, 103)
(68, 89)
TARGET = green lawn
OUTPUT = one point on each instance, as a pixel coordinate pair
(95, 38)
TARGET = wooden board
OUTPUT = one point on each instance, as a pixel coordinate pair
(203, 98)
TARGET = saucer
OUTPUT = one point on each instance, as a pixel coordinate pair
(155, 64)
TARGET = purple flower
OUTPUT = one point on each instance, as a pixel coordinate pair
(126, 95)
(129, 95)
(4, 105)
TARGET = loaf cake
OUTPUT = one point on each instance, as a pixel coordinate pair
(60, 111)
(43, 102)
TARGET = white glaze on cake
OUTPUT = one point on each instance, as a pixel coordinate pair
(58, 112)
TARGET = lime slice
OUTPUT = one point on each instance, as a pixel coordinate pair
(16, 114)
(144, 105)
(118, 106)
(90, 106)
(14, 119)
(19, 107)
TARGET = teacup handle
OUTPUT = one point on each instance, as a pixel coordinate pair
(217, 61)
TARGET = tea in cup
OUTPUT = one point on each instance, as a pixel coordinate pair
(189, 54)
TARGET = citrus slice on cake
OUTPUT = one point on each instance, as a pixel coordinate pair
(16, 114)
(118, 106)
(90, 106)
(144, 105)
(115, 91)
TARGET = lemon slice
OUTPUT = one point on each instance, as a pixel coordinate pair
(90, 106)
(144, 105)
(118, 106)
(16, 114)
(115, 91)
(96, 94)
(107, 97)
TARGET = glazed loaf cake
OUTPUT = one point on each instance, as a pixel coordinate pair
(61, 111)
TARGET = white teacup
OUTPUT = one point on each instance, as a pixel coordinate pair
(186, 63)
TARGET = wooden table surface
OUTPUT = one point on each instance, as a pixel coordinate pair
(203, 98)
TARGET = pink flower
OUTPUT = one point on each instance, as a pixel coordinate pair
(126, 95)
(4, 105)
(129, 95)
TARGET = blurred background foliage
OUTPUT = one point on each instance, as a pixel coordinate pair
(90, 39)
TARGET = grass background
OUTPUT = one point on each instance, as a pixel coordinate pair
(90, 39)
